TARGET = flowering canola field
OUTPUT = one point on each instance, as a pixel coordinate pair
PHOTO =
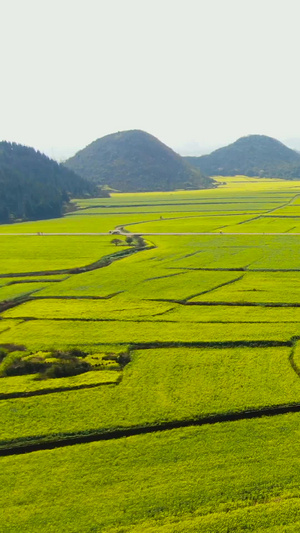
(154, 388)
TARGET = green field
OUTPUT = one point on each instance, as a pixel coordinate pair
(240, 476)
(165, 352)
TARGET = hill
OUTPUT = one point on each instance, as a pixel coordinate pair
(254, 155)
(131, 161)
(32, 186)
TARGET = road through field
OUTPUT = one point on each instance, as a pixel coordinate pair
(128, 234)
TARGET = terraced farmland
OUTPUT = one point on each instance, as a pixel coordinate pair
(155, 388)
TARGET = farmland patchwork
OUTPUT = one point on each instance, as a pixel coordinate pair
(158, 384)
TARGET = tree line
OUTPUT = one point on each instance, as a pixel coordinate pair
(33, 186)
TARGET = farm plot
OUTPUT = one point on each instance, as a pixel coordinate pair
(39, 254)
(126, 309)
(202, 208)
(45, 334)
(119, 277)
(189, 224)
(117, 308)
(291, 210)
(183, 286)
(136, 272)
(231, 476)
(234, 314)
(5, 325)
(169, 363)
(159, 386)
(266, 225)
(258, 287)
(69, 224)
(19, 290)
(265, 252)
(28, 384)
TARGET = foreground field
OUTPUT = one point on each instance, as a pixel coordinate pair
(194, 330)
(237, 476)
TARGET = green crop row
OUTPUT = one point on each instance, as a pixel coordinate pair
(266, 225)
(123, 308)
(44, 334)
(190, 224)
(117, 308)
(231, 314)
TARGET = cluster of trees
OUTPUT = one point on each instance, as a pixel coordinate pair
(33, 187)
(131, 240)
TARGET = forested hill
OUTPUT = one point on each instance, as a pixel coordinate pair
(32, 186)
(134, 160)
(254, 155)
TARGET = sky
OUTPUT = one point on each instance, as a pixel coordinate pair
(197, 74)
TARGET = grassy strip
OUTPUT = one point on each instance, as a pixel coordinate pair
(45, 334)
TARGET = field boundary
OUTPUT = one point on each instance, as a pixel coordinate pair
(104, 261)
(29, 445)
(42, 392)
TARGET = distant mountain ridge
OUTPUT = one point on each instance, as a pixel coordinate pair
(132, 161)
(32, 186)
(254, 155)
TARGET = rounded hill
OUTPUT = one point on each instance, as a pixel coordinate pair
(254, 155)
(131, 161)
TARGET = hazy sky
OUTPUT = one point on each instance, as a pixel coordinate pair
(194, 73)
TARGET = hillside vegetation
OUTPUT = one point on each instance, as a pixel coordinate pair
(133, 160)
(32, 186)
(254, 155)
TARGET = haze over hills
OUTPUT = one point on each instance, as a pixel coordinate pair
(32, 186)
(131, 161)
(254, 155)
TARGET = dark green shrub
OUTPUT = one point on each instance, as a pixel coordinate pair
(18, 366)
(65, 369)
(3, 353)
